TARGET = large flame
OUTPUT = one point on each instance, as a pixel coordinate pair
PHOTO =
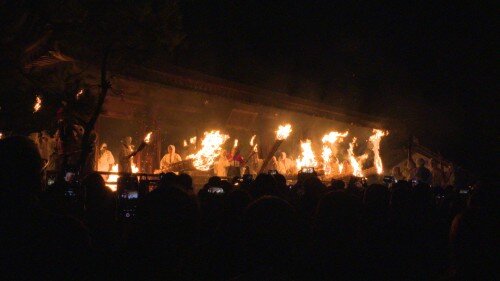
(356, 166)
(326, 154)
(329, 142)
(38, 104)
(283, 132)
(375, 140)
(252, 140)
(210, 150)
(147, 138)
(307, 158)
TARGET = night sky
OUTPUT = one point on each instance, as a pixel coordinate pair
(430, 66)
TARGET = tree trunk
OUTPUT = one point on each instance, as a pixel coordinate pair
(86, 139)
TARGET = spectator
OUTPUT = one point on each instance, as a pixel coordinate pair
(35, 243)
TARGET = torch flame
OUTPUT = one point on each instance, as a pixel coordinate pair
(192, 140)
(356, 166)
(147, 138)
(235, 143)
(252, 140)
(210, 150)
(185, 143)
(375, 140)
(307, 159)
(79, 94)
(255, 149)
(333, 137)
(283, 132)
(38, 104)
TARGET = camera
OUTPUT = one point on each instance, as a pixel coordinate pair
(272, 172)
(247, 178)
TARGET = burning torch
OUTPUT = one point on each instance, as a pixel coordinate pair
(145, 141)
(281, 134)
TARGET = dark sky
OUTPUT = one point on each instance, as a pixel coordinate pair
(431, 66)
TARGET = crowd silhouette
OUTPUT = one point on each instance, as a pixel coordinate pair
(246, 229)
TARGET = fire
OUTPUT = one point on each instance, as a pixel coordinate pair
(185, 143)
(1, 135)
(134, 168)
(307, 159)
(252, 140)
(326, 154)
(192, 140)
(235, 143)
(375, 140)
(356, 166)
(38, 104)
(112, 179)
(283, 132)
(333, 137)
(329, 141)
(79, 94)
(210, 150)
(147, 138)
(255, 149)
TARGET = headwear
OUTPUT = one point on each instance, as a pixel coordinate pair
(104, 145)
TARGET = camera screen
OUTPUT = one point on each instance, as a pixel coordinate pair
(130, 194)
(216, 190)
(272, 172)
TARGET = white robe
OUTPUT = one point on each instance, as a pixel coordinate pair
(169, 159)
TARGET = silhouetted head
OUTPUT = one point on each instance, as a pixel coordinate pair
(421, 162)
(20, 166)
(474, 241)
(264, 184)
(271, 230)
(338, 184)
(337, 217)
(185, 181)
(376, 197)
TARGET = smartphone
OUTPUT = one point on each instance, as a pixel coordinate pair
(463, 191)
(272, 172)
(216, 190)
(128, 198)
